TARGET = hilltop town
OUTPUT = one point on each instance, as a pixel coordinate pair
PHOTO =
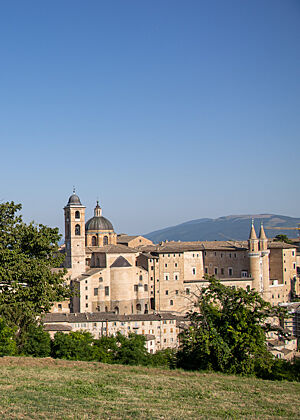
(129, 284)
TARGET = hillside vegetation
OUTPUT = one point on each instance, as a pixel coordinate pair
(58, 389)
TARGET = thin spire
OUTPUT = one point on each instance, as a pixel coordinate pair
(74, 189)
(252, 231)
(262, 234)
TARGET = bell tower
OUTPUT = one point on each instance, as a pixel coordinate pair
(75, 235)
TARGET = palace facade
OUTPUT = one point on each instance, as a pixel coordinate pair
(127, 275)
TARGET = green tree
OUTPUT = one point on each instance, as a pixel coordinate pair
(37, 342)
(282, 238)
(8, 346)
(226, 331)
(132, 350)
(77, 345)
(29, 285)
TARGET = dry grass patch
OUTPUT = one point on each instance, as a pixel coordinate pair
(58, 389)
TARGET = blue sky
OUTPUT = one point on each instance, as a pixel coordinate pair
(164, 110)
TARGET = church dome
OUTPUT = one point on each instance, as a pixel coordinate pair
(74, 199)
(98, 223)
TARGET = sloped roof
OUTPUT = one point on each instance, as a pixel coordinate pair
(120, 262)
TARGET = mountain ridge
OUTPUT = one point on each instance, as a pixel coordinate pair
(231, 227)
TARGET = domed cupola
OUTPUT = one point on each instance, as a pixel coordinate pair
(74, 200)
(99, 230)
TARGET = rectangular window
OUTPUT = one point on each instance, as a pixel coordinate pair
(166, 265)
(106, 290)
(167, 292)
(135, 287)
(206, 270)
(176, 292)
(166, 276)
(216, 270)
(145, 287)
(230, 271)
(222, 271)
(194, 271)
(86, 297)
(244, 273)
(171, 302)
(176, 264)
(86, 305)
(96, 291)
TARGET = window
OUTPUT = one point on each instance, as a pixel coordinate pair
(215, 254)
(216, 270)
(116, 309)
(136, 287)
(94, 241)
(138, 307)
(221, 255)
(77, 215)
(96, 291)
(294, 266)
(166, 265)
(176, 276)
(293, 253)
(194, 271)
(167, 292)
(77, 230)
(141, 278)
(105, 240)
(222, 270)
(59, 306)
(176, 292)
(166, 276)
(86, 297)
(86, 287)
(106, 290)
(86, 305)
(169, 255)
(230, 271)
(229, 255)
(171, 302)
(176, 264)
(206, 270)
(187, 291)
(146, 287)
(244, 273)
(100, 279)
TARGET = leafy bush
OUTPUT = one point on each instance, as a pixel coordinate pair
(37, 342)
(8, 346)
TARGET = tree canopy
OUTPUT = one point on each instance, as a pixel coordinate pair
(29, 283)
(226, 330)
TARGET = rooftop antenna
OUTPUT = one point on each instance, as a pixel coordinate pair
(73, 189)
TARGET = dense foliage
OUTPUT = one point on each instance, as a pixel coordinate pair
(226, 331)
(29, 283)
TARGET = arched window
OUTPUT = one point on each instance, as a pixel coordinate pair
(116, 310)
(77, 215)
(105, 240)
(138, 307)
(141, 278)
(106, 309)
(94, 241)
(77, 230)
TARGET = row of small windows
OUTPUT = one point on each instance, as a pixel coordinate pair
(94, 240)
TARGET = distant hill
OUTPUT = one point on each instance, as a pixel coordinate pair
(225, 228)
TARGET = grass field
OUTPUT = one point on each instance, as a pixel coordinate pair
(57, 389)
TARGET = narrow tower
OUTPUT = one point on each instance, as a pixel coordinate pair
(75, 235)
(254, 256)
(264, 253)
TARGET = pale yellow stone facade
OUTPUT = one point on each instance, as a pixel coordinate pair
(130, 275)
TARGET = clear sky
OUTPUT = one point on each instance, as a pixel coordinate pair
(166, 111)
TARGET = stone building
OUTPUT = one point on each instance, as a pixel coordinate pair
(160, 330)
(130, 275)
